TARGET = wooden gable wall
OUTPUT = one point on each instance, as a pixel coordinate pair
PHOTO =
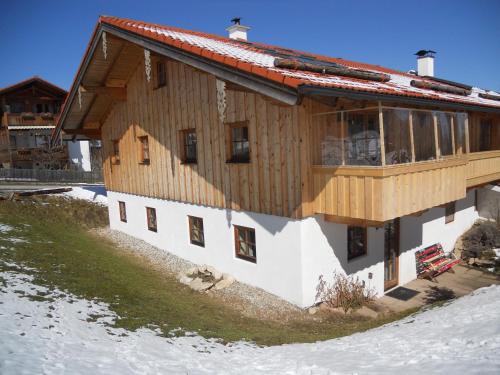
(274, 182)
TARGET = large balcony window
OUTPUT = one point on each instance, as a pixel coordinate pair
(353, 137)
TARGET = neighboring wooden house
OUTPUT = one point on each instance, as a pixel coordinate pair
(279, 166)
(28, 111)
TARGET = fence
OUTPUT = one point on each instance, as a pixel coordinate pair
(48, 175)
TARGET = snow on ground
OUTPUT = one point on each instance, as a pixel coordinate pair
(54, 337)
(93, 193)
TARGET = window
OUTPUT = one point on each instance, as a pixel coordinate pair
(144, 149)
(449, 210)
(188, 146)
(239, 145)
(123, 211)
(362, 146)
(161, 74)
(356, 242)
(423, 136)
(459, 130)
(196, 235)
(397, 138)
(115, 157)
(444, 133)
(151, 217)
(245, 243)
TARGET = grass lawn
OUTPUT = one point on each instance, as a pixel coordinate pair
(65, 255)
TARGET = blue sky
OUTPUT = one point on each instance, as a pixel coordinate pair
(48, 38)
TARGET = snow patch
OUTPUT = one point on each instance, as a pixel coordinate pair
(92, 193)
(72, 335)
(4, 228)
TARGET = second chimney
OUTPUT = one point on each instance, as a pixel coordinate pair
(237, 31)
(425, 63)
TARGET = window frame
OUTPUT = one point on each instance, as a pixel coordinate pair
(237, 243)
(160, 75)
(151, 219)
(144, 150)
(351, 257)
(193, 221)
(123, 211)
(183, 136)
(232, 158)
(449, 212)
(115, 156)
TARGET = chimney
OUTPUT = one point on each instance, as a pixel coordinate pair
(425, 63)
(236, 30)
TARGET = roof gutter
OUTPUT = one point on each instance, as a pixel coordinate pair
(338, 92)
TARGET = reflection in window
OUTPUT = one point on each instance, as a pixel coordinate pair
(397, 136)
(362, 146)
(444, 133)
(423, 136)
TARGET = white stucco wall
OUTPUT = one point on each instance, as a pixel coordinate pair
(79, 154)
(278, 240)
(291, 254)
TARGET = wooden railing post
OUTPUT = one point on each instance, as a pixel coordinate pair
(381, 131)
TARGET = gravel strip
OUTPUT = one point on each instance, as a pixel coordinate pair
(251, 301)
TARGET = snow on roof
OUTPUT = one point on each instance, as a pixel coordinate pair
(258, 59)
(29, 127)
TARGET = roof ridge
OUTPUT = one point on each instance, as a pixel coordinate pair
(30, 79)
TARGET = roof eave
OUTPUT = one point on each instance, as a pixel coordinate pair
(263, 86)
(363, 95)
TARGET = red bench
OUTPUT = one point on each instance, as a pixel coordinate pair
(432, 261)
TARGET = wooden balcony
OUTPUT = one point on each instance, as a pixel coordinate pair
(377, 194)
(483, 167)
(25, 119)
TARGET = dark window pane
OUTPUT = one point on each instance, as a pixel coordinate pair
(356, 238)
(444, 133)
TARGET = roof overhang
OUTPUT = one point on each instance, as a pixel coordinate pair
(263, 86)
(363, 95)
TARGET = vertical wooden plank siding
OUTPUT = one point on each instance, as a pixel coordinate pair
(272, 183)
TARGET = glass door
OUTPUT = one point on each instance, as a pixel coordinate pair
(391, 254)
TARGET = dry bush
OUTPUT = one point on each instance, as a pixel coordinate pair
(344, 292)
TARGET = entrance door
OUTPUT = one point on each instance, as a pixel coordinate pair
(391, 254)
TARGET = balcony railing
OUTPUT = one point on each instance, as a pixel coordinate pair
(380, 163)
(27, 119)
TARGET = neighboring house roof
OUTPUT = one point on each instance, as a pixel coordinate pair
(260, 60)
(29, 81)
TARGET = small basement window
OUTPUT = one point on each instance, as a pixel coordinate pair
(151, 218)
(238, 144)
(245, 243)
(144, 150)
(356, 242)
(188, 146)
(196, 235)
(449, 212)
(123, 211)
(161, 74)
(115, 157)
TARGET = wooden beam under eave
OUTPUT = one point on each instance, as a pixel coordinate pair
(115, 93)
(90, 133)
(353, 221)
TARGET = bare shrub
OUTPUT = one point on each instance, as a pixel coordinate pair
(344, 292)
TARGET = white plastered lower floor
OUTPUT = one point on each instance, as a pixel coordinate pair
(291, 254)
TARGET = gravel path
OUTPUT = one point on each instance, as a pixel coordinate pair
(251, 301)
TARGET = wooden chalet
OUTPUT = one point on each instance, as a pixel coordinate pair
(29, 111)
(288, 165)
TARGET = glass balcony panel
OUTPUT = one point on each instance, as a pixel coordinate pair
(423, 136)
(362, 143)
(397, 136)
(444, 133)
